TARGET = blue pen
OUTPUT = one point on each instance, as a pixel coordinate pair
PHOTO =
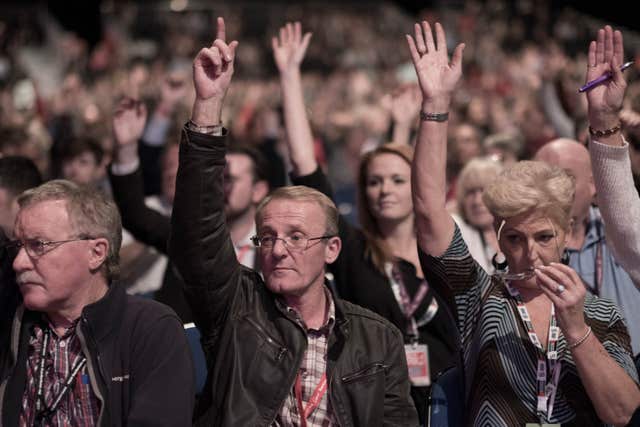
(603, 78)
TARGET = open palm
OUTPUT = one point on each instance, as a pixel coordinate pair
(437, 77)
(289, 49)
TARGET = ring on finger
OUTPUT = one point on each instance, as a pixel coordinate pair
(560, 289)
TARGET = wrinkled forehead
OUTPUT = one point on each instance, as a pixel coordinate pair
(532, 221)
(286, 215)
(43, 219)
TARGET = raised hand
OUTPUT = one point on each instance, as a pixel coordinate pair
(437, 76)
(128, 122)
(606, 54)
(289, 49)
(212, 72)
(405, 104)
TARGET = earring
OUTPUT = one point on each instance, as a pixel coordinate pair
(499, 262)
(565, 257)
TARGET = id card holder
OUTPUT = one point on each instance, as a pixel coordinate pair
(418, 364)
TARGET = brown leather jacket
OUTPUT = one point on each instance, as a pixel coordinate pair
(254, 348)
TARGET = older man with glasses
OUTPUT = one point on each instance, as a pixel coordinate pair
(281, 350)
(82, 351)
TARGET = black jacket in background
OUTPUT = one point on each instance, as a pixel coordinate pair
(151, 228)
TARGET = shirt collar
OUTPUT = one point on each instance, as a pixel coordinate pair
(330, 313)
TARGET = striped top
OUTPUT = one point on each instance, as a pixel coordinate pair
(499, 360)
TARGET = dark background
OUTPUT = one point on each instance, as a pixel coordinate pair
(83, 16)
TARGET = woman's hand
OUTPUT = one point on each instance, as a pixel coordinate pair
(290, 48)
(438, 78)
(567, 292)
(605, 100)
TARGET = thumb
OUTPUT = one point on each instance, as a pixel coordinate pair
(456, 60)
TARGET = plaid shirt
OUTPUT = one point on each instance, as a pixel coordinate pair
(313, 366)
(79, 407)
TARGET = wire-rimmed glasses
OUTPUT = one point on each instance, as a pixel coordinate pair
(36, 247)
(295, 242)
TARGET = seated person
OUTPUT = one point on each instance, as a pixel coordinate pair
(537, 348)
(126, 359)
(282, 350)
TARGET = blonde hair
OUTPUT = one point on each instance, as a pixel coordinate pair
(375, 246)
(479, 172)
(90, 212)
(531, 185)
(301, 193)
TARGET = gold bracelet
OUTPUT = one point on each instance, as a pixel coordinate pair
(581, 340)
(606, 132)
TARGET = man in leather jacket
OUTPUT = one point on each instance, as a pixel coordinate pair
(283, 350)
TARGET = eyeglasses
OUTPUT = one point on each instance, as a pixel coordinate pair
(296, 242)
(36, 248)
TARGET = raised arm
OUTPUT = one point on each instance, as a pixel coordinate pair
(146, 225)
(288, 52)
(438, 78)
(618, 201)
(200, 246)
(404, 106)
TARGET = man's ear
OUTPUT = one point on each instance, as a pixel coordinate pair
(99, 251)
(332, 249)
(259, 191)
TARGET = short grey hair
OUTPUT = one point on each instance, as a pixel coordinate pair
(91, 213)
(301, 193)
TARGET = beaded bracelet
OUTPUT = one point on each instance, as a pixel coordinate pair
(581, 340)
(606, 132)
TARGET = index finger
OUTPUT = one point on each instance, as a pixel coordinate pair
(222, 32)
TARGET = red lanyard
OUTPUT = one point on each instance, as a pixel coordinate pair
(315, 400)
(546, 390)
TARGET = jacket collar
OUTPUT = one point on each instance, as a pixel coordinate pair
(104, 314)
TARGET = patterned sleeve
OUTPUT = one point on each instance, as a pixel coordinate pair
(611, 329)
(459, 280)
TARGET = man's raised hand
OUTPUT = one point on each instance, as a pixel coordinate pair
(213, 66)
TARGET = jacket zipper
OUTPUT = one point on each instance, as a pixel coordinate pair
(364, 372)
(91, 369)
(282, 350)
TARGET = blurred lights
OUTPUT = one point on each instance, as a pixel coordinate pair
(178, 5)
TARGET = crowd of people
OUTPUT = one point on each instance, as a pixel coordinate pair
(343, 213)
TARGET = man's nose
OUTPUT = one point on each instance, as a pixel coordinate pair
(22, 260)
(279, 247)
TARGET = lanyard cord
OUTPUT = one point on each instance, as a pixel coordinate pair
(546, 390)
(42, 411)
(314, 401)
(599, 270)
(407, 305)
